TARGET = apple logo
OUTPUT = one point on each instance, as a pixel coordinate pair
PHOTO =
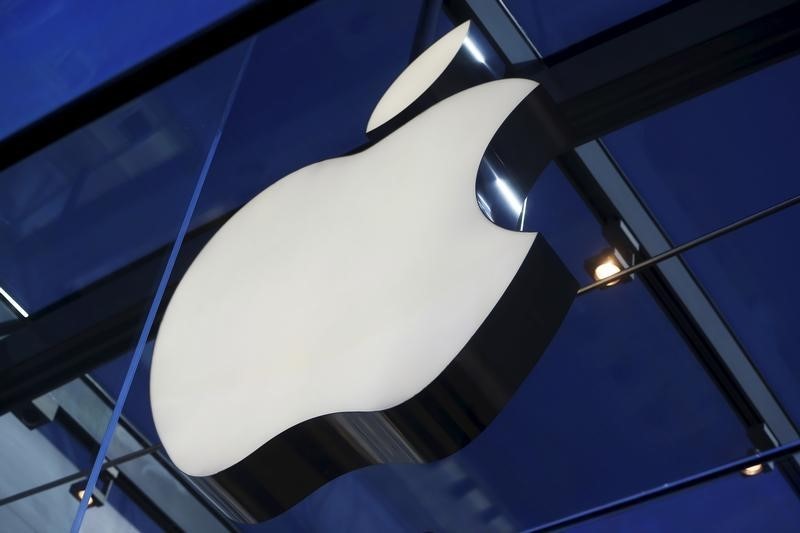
(366, 309)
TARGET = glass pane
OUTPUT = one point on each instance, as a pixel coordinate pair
(718, 157)
(110, 193)
(765, 502)
(751, 276)
(48, 511)
(555, 24)
(76, 216)
(31, 456)
(170, 500)
(53, 52)
(150, 499)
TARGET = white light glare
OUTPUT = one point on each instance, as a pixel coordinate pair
(473, 49)
(14, 303)
(508, 194)
(522, 216)
(753, 470)
(606, 269)
(80, 496)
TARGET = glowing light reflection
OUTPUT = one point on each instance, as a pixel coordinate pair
(508, 194)
(13, 302)
(474, 50)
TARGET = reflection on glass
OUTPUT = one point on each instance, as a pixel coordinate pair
(56, 51)
(734, 502)
(750, 275)
(711, 160)
(555, 24)
(75, 217)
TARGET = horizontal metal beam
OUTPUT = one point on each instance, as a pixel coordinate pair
(649, 63)
(669, 60)
(139, 79)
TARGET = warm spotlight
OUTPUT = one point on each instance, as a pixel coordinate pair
(753, 470)
(606, 264)
(79, 489)
(101, 490)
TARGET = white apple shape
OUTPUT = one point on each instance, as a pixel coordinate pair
(365, 310)
(348, 285)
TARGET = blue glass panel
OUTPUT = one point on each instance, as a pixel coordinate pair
(77, 211)
(131, 516)
(751, 275)
(53, 51)
(130, 513)
(717, 157)
(555, 24)
(21, 515)
(765, 502)
(31, 457)
(710, 161)
(111, 192)
(334, 61)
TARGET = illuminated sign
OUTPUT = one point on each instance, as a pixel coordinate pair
(365, 309)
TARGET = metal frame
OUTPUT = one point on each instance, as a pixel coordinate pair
(606, 190)
(681, 296)
(592, 170)
(625, 77)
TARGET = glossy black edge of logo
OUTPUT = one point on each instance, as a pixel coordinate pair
(532, 135)
(437, 422)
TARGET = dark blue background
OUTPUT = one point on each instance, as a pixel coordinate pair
(54, 50)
